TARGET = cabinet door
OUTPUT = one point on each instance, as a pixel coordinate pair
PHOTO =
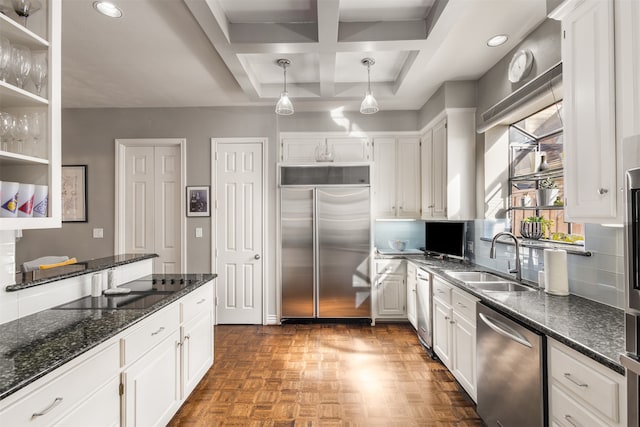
(439, 171)
(151, 385)
(442, 332)
(100, 409)
(197, 351)
(464, 353)
(350, 149)
(384, 181)
(412, 284)
(391, 296)
(589, 125)
(299, 150)
(408, 171)
(426, 153)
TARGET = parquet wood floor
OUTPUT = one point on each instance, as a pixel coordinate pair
(324, 375)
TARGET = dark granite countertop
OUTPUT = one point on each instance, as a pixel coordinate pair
(78, 269)
(35, 345)
(593, 329)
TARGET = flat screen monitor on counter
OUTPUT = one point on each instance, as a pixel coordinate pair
(445, 238)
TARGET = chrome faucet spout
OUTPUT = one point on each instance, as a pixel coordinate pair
(492, 252)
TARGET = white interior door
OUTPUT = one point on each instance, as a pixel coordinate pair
(150, 202)
(238, 240)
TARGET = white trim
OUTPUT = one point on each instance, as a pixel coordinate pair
(120, 148)
(353, 134)
(441, 115)
(266, 319)
(272, 319)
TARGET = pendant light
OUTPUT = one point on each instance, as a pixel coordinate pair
(284, 107)
(369, 104)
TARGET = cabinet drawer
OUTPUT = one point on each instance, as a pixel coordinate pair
(63, 392)
(197, 302)
(584, 381)
(441, 291)
(464, 305)
(567, 412)
(390, 267)
(149, 333)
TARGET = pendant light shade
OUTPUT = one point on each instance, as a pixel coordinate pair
(284, 107)
(369, 104)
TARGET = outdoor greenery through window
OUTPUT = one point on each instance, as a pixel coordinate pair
(537, 178)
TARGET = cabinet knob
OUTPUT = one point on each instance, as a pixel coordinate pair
(257, 256)
(602, 191)
(446, 318)
(431, 206)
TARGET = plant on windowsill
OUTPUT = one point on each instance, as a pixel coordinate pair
(535, 227)
(547, 192)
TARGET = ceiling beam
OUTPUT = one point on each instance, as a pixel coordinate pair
(376, 31)
(274, 33)
(328, 23)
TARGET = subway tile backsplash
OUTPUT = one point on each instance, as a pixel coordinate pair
(599, 277)
(413, 231)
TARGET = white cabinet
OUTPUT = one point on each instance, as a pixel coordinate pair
(308, 148)
(454, 333)
(583, 392)
(36, 159)
(448, 166)
(412, 285)
(396, 183)
(589, 111)
(390, 292)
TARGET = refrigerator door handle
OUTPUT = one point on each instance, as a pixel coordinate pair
(316, 255)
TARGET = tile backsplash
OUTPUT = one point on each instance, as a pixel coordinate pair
(413, 231)
(599, 277)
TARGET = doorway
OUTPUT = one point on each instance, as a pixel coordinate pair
(150, 201)
(238, 177)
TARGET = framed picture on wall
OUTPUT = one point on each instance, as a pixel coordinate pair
(198, 203)
(74, 193)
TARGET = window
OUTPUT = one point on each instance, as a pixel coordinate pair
(536, 162)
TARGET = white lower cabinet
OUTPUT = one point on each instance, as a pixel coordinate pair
(412, 301)
(454, 333)
(583, 392)
(389, 291)
(103, 405)
(151, 385)
(197, 351)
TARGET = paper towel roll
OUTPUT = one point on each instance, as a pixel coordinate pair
(556, 281)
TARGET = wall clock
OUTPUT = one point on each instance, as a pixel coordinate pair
(520, 65)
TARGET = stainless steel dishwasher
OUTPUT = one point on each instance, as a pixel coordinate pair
(510, 361)
(424, 302)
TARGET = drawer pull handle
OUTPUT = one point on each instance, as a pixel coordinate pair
(446, 318)
(158, 331)
(571, 420)
(576, 382)
(201, 301)
(186, 337)
(178, 344)
(453, 322)
(56, 402)
(462, 305)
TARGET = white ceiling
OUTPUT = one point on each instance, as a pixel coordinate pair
(176, 53)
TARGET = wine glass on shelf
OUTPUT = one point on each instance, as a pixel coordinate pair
(26, 8)
(36, 121)
(38, 70)
(20, 131)
(21, 62)
(5, 57)
(6, 123)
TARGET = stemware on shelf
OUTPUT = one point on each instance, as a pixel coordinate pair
(6, 129)
(20, 131)
(5, 57)
(21, 63)
(25, 8)
(38, 70)
(36, 130)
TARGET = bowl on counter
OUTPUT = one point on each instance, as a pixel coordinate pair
(398, 245)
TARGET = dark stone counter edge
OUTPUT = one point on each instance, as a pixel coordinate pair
(95, 265)
(589, 352)
(143, 315)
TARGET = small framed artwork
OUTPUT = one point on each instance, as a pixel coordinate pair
(74, 193)
(198, 203)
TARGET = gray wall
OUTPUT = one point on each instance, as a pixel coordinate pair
(453, 94)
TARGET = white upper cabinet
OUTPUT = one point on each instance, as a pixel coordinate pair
(396, 184)
(448, 166)
(589, 110)
(34, 156)
(310, 148)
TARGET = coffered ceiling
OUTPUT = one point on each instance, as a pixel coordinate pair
(172, 53)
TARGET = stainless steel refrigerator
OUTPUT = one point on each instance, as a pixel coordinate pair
(325, 219)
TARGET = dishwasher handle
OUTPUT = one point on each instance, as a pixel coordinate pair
(505, 330)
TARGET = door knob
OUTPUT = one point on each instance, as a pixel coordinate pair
(257, 256)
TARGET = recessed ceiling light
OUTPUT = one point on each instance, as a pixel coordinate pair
(107, 9)
(497, 40)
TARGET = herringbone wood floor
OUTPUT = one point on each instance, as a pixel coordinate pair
(325, 375)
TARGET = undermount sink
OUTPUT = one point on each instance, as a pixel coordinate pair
(487, 282)
(499, 286)
(475, 276)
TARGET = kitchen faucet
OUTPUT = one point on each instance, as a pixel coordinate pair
(492, 252)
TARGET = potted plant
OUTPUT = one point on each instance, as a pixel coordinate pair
(547, 192)
(535, 227)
